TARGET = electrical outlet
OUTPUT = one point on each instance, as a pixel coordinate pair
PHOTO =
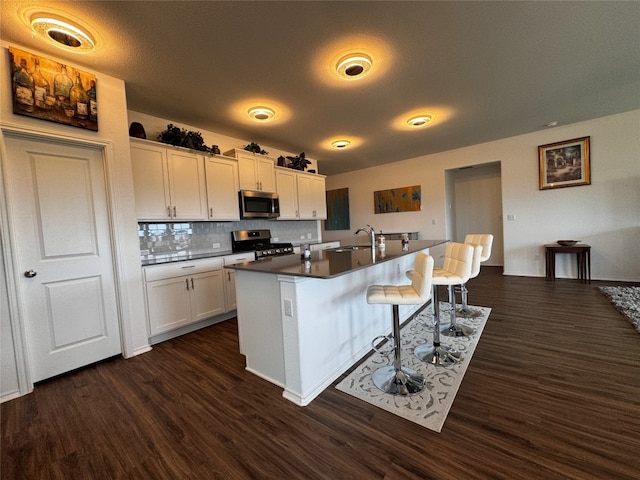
(301, 237)
(308, 235)
(511, 217)
(275, 239)
(288, 307)
(216, 245)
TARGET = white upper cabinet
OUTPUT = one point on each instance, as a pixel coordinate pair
(256, 172)
(312, 203)
(222, 188)
(169, 183)
(302, 195)
(287, 188)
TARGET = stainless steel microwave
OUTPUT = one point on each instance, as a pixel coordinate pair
(254, 204)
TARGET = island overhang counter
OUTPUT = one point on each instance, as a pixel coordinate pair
(302, 323)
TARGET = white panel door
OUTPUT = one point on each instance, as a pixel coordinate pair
(59, 215)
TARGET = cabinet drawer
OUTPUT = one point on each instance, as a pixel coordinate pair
(239, 258)
(178, 269)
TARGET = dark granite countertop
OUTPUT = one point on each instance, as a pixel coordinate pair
(335, 261)
(188, 255)
(180, 256)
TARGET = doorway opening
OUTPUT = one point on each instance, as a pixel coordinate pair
(474, 205)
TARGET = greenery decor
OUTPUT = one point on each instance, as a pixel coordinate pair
(255, 148)
(299, 162)
(179, 137)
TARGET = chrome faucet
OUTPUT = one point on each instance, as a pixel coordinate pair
(369, 230)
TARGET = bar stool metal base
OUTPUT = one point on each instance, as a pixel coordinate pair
(398, 382)
(469, 312)
(438, 355)
(457, 330)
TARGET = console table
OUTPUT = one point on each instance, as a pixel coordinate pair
(583, 254)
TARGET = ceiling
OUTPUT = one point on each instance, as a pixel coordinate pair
(483, 70)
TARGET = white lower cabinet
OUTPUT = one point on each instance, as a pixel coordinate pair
(182, 293)
(230, 277)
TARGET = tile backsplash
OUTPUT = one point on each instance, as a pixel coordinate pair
(198, 237)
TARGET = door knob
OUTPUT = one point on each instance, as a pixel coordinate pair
(30, 273)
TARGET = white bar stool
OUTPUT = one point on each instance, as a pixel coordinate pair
(454, 329)
(396, 379)
(455, 271)
(485, 240)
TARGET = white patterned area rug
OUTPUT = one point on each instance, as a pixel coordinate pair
(627, 302)
(430, 407)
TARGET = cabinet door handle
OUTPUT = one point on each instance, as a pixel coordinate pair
(229, 276)
(210, 212)
(174, 211)
(192, 287)
(169, 211)
(187, 280)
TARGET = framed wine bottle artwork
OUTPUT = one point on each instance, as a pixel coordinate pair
(45, 89)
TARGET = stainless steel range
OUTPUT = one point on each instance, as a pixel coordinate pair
(259, 241)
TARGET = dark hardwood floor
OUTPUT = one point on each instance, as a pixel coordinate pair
(552, 392)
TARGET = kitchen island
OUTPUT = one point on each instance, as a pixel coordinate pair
(301, 324)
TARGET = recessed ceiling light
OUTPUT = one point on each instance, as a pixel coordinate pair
(340, 144)
(261, 114)
(62, 33)
(354, 65)
(419, 120)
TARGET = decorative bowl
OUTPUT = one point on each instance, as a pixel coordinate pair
(567, 243)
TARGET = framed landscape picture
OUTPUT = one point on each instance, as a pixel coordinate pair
(52, 91)
(565, 164)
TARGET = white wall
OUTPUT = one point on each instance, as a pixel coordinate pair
(605, 214)
(153, 126)
(9, 386)
(113, 135)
